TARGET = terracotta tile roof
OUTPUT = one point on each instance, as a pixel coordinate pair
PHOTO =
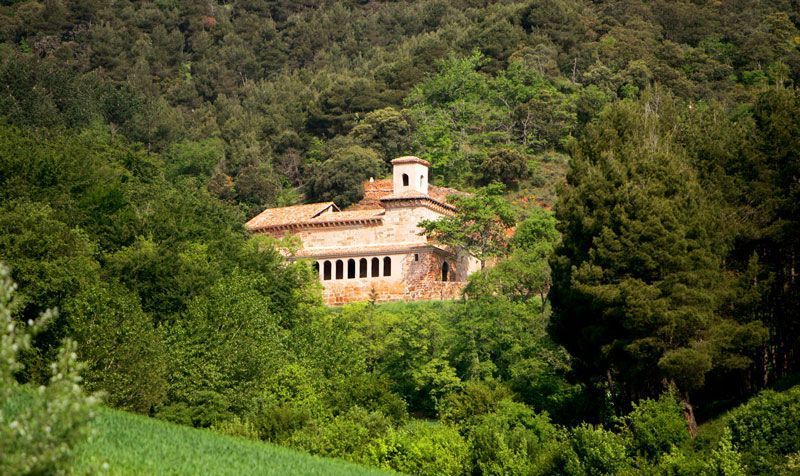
(349, 215)
(286, 215)
(373, 192)
(376, 190)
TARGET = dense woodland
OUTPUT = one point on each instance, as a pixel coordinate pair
(660, 292)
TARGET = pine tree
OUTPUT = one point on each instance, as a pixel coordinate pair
(637, 280)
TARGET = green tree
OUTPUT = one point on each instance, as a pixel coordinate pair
(637, 280)
(479, 227)
(340, 178)
(39, 427)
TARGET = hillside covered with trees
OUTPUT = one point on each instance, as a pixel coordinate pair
(648, 151)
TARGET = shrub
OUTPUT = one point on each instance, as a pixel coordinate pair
(656, 426)
(38, 428)
(767, 428)
(423, 449)
(346, 436)
(595, 451)
(515, 440)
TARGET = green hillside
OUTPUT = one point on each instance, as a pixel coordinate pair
(133, 444)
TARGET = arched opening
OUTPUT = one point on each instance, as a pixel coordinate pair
(351, 268)
(445, 271)
(326, 271)
(405, 180)
(339, 269)
(387, 266)
(376, 267)
(421, 180)
(362, 268)
(316, 268)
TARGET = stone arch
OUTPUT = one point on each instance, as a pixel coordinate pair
(405, 180)
(445, 271)
(362, 268)
(339, 269)
(376, 267)
(387, 266)
(326, 270)
(351, 268)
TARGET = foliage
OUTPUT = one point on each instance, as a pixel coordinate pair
(40, 427)
(339, 178)
(656, 426)
(637, 279)
(765, 429)
(123, 352)
(479, 227)
(595, 450)
(422, 448)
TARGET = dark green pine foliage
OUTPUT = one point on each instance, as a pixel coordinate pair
(637, 280)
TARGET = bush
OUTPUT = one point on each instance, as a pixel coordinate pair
(38, 428)
(767, 428)
(346, 436)
(656, 426)
(124, 353)
(290, 401)
(423, 449)
(516, 440)
(595, 451)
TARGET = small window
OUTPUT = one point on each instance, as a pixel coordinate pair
(445, 271)
(405, 180)
(326, 271)
(362, 268)
(351, 269)
(416, 257)
(339, 269)
(387, 266)
(316, 268)
(376, 267)
(421, 181)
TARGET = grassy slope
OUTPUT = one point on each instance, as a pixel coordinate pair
(136, 445)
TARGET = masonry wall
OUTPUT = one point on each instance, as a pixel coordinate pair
(413, 278)
(399, 227)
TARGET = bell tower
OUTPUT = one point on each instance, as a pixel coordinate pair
(410, 174)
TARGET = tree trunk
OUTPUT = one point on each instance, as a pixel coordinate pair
(688, 415)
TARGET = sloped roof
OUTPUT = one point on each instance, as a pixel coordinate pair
(410, 159)
(376, 190)
(272, 217)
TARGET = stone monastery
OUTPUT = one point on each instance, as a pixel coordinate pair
(373, 250)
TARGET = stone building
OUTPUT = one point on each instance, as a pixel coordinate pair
(373, 250)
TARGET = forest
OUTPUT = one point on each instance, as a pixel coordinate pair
(643, 319)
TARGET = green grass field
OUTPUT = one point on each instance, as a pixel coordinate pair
(135, 445)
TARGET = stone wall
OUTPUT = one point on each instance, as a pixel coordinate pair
(416, 276)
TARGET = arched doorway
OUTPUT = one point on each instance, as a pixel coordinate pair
(445, 271)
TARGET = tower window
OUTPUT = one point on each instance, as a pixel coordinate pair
(405, 180)
(416, 257)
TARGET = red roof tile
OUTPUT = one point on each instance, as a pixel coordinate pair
(288, 215)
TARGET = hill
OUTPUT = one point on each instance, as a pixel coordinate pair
(133, 444)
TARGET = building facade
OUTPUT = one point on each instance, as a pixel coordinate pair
(374, 250)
